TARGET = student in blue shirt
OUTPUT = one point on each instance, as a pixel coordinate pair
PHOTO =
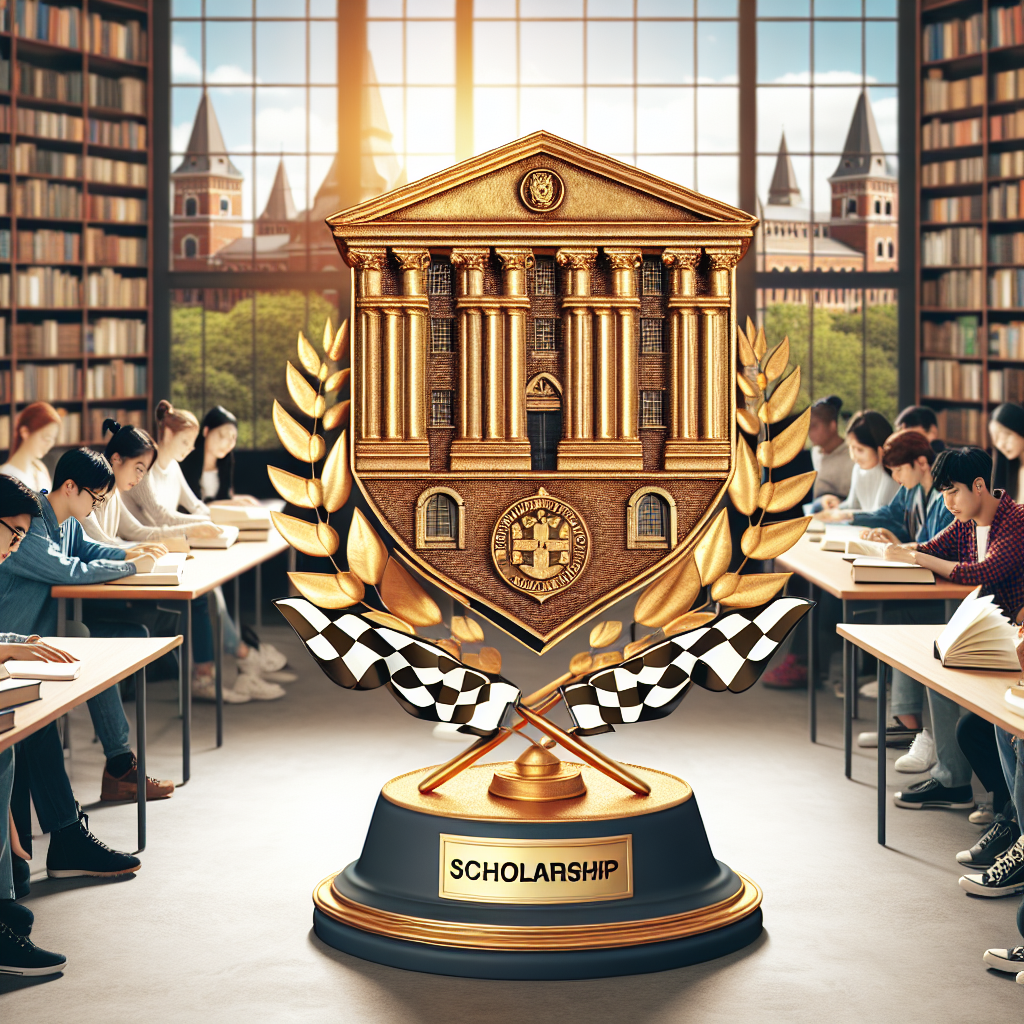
(56, 551)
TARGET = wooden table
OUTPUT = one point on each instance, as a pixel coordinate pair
(827, 571)
(206, 571)
(105, 662)
(909, 648)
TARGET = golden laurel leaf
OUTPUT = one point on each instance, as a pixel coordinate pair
(337, 480)
(323, 373)
(712, 554)
(580, 663)
(336, 416)
(303, 394)
(746, 480)
(670, 596)
(337, 380)
(747, 421)
(317, 448)
(605, 633)
(319, 407)
(759, 345)
(292, 488)
(339, 345)
(325, 342)
(453, 647)
(404, 597)
(315, 492)
(754, 589)
(391, 621)
(784, 397)
(636, 646)
(770, 541)
(607, 658)
(490, 660)
(315, 539)
(366, 553)
(785, 447)
(467, 630)
(328, 590)
(784, 494)
(778, 360)
(295, 437)
(307, 355)
(471, 660)
(691, 620)
(746, 351)
(749, 389)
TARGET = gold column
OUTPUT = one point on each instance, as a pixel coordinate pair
(469, 265)
(414, 264)
(576, 447)
(607, 400)
(393, 376)
(684, 386)
(624, 263)
(369, 265)
(515, 263)
(495, 362)
(715, 354)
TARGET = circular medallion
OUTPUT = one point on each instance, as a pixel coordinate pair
(540, 545)
(541, 190)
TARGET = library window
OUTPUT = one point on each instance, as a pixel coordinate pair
(650, 336)
(544, 276)
(650, 408)
(440, 408)
(651, 277)
(650, 518)
(544, 336)
(191, 206)
(441, 518)
(439, 280)
(190, 247)
(441, 334)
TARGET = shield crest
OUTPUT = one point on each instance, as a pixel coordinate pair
(543, 367)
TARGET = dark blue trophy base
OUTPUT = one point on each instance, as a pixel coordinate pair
(681, 906)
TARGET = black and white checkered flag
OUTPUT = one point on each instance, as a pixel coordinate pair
(426, 680)
(729, 653)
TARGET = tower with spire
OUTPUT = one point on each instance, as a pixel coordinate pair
(280, 209)
(207, 194)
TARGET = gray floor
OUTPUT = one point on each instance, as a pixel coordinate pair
(216, 925)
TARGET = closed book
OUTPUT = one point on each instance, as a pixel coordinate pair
(1015, 697)
(877, 570)
(166, 572)
(6, 720)
(815, 525)
(59, 670)
(18, 691)
(245, 517)
(228, 536)
(253, 534)
(978, 635)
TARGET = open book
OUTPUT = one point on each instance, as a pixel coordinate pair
(166, 572)
(837, 534)
(245, 517)
(978, 635)
(878, 570)
(865, 549)
(59, 670)
(225, 540)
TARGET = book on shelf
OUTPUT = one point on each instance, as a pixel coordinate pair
(245, 517)
(1006, 340)
(940, 94)
(950, 209)
(1006, 248)
(228, 536)
(978, 635)
(1008, 85)
(1006, 165)
(938, 134)
(1006, 385)
(60, 671)
(166, 572)
(955, 172)
(957, 37)
(946, 378)
(1002, 127)
(1005, 26)
(1006, 288)
(954, 289)
(958, 337)
(878, 570)
(961, 426)
(963, 247)
(1004, 201)
(49, 339)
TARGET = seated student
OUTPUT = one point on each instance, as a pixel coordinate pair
(871, 485)
(36, 430)
(154, 501)
(55, 551)
(829, 454)
(1006, 429)
(924, 421)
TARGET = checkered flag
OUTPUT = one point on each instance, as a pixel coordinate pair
(429, 684)
(729, 653)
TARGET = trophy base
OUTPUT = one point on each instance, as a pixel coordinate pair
(466, 883)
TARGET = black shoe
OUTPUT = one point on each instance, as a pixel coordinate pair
(20, 955)
(75, 851)
(22, 873)
(1009, 960)
(18, 918)
(997, 840)
(931, 793)
(1004, 878)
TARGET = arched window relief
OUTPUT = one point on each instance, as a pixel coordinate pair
(191, 206)
(651, 519)
(440, 519)
(190, 247)
(880, 249)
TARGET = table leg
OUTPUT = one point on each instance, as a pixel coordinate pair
(812, 675)
(259, 596)
(218, 664)
(849, 663)
(186, 689)
(884, 673)
(140, 755)
(62, 617)
(238, 607)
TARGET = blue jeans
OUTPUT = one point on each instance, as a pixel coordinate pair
(108, 717)
(1011, 756)
(6, 785)
(40, 770)
(202, 628)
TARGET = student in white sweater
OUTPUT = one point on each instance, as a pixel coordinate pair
(871, 485)
(36, 430)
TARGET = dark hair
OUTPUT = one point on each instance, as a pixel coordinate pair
(905, 448)
(128, 442)
(870, 428)
(192, 464)
(1011, 416)
(827, 409)
(917, 416)
(84, 468)
(961, 466)
(16, 499)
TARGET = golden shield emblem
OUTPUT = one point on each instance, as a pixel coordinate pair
(541, 190)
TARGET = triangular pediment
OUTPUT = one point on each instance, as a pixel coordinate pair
(597, 188)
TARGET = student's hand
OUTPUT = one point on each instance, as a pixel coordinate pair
(142, 562)
(835, 515)
(880, 536)
(203, 530)
(156, 550)
(900, 553)
(828, 501)
(33, 649)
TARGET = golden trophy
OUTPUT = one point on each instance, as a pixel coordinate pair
(545, 369)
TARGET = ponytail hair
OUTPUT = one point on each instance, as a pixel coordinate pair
(174, 420)
(33, 417)
(128, 442)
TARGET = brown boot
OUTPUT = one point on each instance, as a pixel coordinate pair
(126, 787)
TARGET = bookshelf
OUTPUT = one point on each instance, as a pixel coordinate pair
(76, 118)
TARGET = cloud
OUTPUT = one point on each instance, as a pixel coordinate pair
(184, 67)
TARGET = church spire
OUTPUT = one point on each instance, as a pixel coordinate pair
(784, 191)
(863, 153)
(280, 206)
(206, 152)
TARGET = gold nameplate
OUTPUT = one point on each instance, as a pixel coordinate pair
(536, 870)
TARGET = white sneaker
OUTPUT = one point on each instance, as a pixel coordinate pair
(204, 688)
(869, 691)
(1020, 978)
(920, 757)
(1009, 960)
(271, 658)
(449, 732)
(252, 665)
(984, 815)
(257, 689)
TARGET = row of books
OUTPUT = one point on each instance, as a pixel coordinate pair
(47, 84)
(1006, 288)
(30, 159)
(958, 172)
(1008, 85)
(955, 289)
(960, 426)
(115, 250)
(116, 172)
(37, 198)
(950, 209)
(957, 337)
(42, 382)
(1006, 340)
(1006, 126)
(954, 38)
(52, 288)
(124, 209)
(936, 134)
(1007, 248)
(946, 378)
(107, 336)
(1006, 385)
(69, 430)
(64, 26)
(1004, 201)
(49, 246)
(114, 336)
(1006, 27)
(1006, 165)
(939, 94)
(47, 125)
(110, 290)
(127, 94)
(953, 247)
(125, 40)
(116, 379)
